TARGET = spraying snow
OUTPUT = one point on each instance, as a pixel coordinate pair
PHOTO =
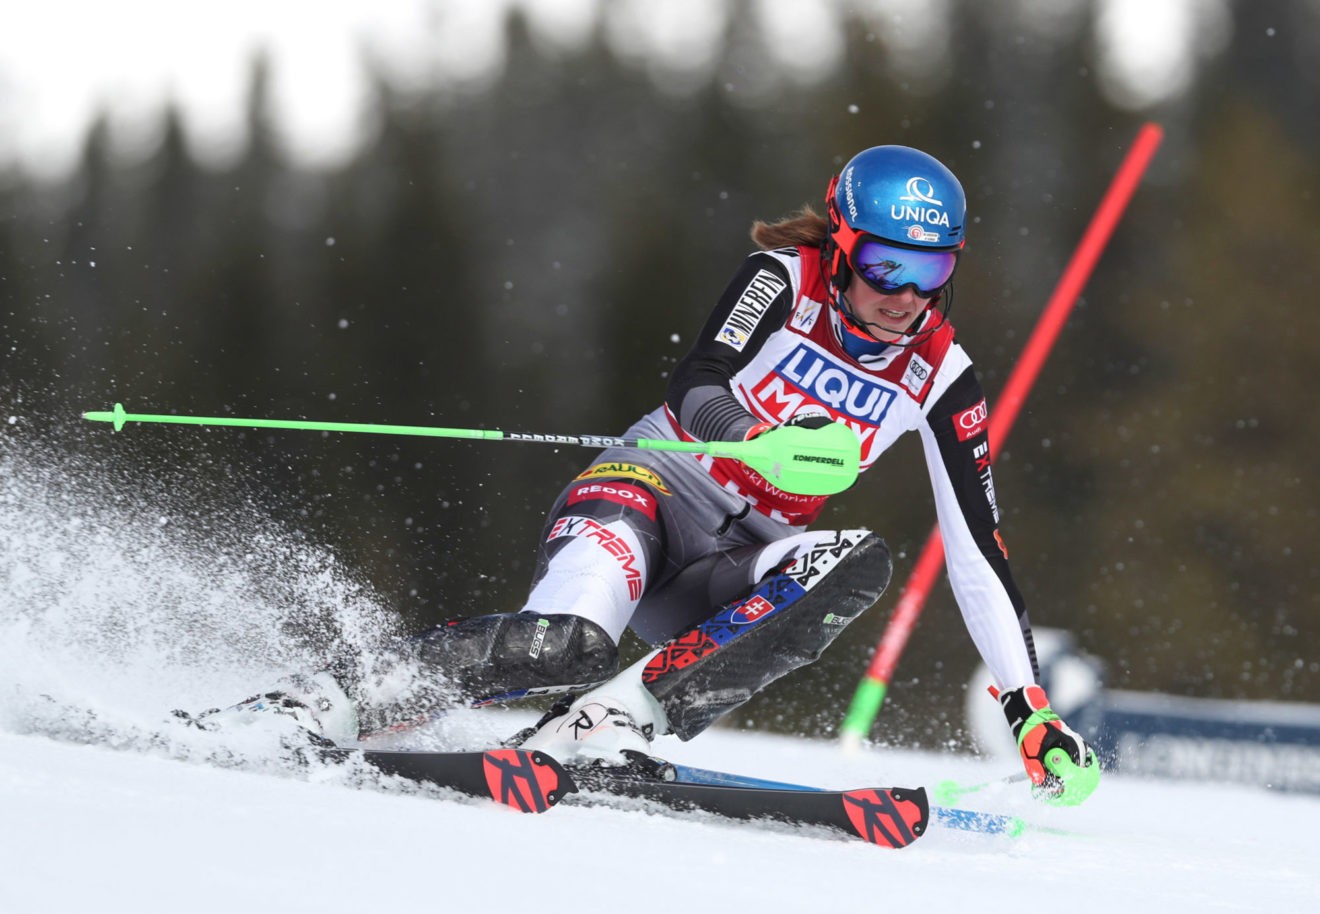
(112, 597)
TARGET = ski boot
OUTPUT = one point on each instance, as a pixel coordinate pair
(592, 730)
(311, 710)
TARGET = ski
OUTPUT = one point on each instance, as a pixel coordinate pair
(948, 817)
(534, 782)
(889, 817)
(987, 823)
(522, 780)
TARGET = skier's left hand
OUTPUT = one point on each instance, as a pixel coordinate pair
(1063, 768)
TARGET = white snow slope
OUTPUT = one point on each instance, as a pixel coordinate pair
(130, 607)
(89, 828)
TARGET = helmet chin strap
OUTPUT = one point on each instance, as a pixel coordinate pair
(907, 338)
(844, 309)
(852, 318)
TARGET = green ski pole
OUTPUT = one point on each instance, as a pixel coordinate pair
(803, 461)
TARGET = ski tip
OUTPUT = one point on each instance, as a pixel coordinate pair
(985, 822)
(525, 781)
(890, 818)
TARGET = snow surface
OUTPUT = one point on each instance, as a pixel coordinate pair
(89, 828)
(126, 607)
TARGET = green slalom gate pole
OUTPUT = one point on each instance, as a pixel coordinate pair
(874, 684)
(799, 460)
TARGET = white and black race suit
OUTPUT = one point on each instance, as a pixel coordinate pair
(768, 352)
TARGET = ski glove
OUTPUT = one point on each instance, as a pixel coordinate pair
(1063, 768)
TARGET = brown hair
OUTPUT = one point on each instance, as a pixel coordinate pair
(806, 226)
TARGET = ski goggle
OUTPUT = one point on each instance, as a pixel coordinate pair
(890, 269)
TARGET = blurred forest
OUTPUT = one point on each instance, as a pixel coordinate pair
(535, 254)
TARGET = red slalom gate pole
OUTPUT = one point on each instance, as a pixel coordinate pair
(870, 694)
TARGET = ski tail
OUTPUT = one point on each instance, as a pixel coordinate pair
(525, 781)
(948, 817)
(893, 817)
(522, 780)
(890, 818)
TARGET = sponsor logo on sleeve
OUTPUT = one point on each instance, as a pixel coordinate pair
(984, 473)
(752, 305)
(971, 422)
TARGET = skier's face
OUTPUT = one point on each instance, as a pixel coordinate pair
(885, 315)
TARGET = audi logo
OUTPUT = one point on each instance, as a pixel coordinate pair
(973, 417)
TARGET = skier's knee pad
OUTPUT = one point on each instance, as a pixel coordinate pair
(511, 654)
(787, 620)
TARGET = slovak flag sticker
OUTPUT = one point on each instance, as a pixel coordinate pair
(755, 609)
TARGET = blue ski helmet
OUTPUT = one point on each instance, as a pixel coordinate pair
(897, 196)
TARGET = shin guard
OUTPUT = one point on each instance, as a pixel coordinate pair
(478, 661)
(511, 655)
(787, 620)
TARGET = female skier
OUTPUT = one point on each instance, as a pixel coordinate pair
(837, 319)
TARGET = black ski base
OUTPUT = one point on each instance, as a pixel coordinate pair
(889, 817)
(525, 781)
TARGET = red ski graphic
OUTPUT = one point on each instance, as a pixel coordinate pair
(891, 818)
(525, 781)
